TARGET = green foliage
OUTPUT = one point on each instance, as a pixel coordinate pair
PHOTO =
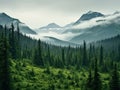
(97, 84)
(38, 56)
(115, 82)
(36, 65)
(4, 65)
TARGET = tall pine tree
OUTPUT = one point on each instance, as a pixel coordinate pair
(85, 59)
(96, 85)
(4, 65)
(38, 60)
(114, 82)
(12, 43)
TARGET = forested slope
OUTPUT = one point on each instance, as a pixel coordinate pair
(28, 64)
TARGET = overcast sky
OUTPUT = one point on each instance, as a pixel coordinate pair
(37, 13)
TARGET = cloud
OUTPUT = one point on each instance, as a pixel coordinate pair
(114, 18)
(66, 36)
(98, 21)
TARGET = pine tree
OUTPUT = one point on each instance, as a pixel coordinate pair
(89, 81)
(114, 82)
(63, 56)
(4, 66)
(49, 56)
(101, 56)
(5, 31)
(85, 60)
(38, 55)
(18, 42)
(91, 54)
(118, 53)
(12, 43)
(97, 85)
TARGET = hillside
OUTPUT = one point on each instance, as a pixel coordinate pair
(111, 43)
(8, 20)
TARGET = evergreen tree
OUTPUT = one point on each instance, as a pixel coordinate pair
(89, 81)
(18, 42)
(90, 54)
(49, 56)
(63, 56)
(12, 43)
(38, 55)
(4, 65)
(5, 31)
(85, 60)
(97, 85)
(118, 53)
(114, 82)
(101, 56)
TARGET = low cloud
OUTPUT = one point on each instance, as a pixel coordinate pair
(42, 36)
(98, 21)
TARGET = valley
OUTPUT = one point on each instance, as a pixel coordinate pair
(84, 55)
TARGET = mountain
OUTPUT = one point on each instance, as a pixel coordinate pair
(58, 42)
(51, 25)
(95, 29)
(109, 43)
(7, 20)
(88, 16)
(97, 33)
(92, 27)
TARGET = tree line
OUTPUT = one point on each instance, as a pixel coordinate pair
(16, 46)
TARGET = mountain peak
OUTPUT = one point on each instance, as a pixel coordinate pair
(7, 20)
(51, 25)
(4, 14)
(89, 15)
(90, 12)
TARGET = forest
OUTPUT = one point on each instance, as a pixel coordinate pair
(30, 64)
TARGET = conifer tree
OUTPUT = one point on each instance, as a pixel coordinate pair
(49, 56)
(97, 85)
(38, 55)
(118, 53)
(114, 82)
(4, 65)
(5, 31)
(89, 81)
(63, 56)
(85, 60)
(18, 42)
(12, 43)
(101, 56)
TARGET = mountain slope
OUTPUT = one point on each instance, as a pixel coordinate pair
(88, 16)
(98, 33)
(91, 27)
(96, 29)
(7, 20)
(51, 25)
(58, 42)
(112, 43)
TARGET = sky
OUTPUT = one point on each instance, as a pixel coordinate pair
(38, 13)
